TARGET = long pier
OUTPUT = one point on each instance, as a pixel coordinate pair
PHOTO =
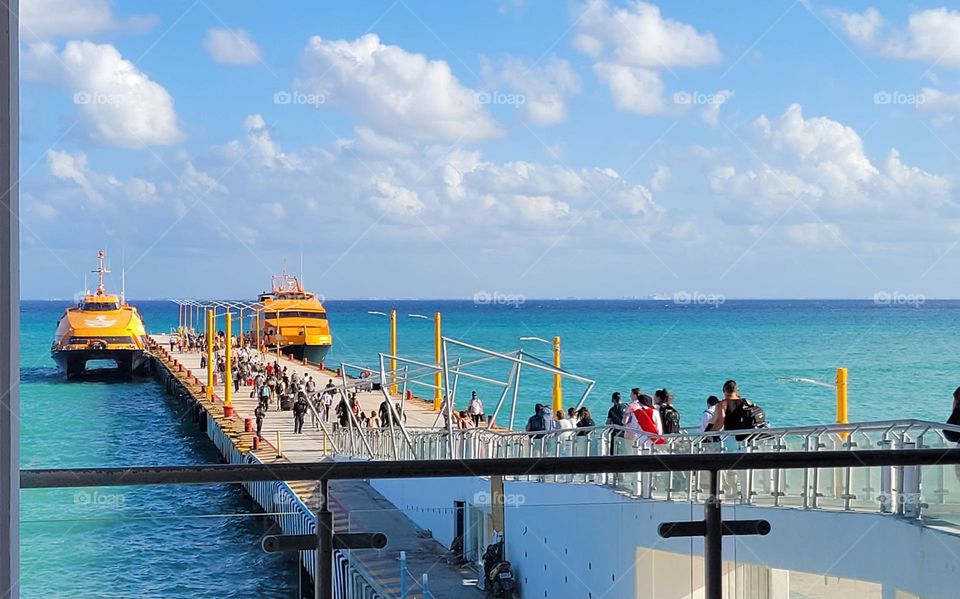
(356, 506)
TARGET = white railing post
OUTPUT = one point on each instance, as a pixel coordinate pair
(909, 487)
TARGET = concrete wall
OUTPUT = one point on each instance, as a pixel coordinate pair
(578, 540)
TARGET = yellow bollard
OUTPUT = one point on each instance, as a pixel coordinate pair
(279, 451)
(437, 357)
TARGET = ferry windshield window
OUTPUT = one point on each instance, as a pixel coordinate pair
(99, 307)
(298, 314)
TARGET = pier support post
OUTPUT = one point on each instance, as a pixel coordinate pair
(9, 304)
(323, 579)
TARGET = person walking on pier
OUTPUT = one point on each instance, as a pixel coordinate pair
(259, 414)
(299, 411)
(386, 414)
(343, 412)
(475, 409)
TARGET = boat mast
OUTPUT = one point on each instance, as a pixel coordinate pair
(100, 272)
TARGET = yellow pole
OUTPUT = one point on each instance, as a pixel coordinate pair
(393, 352)
(256, 315)
(557, 382)
(842, 396)
(437, 377)
(211, 333)
(227, 366)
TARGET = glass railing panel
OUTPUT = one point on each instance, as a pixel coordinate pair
(794, 482)
(864, 489)
(940, 493)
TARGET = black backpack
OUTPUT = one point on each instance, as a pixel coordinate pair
(670, 418)
(748, 415)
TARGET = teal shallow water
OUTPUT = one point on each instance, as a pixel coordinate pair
(902, 360)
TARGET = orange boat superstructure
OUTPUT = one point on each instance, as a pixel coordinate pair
(101, 326)
(293, 320)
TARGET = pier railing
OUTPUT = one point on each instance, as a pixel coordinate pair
(929, 492)
(294, 517)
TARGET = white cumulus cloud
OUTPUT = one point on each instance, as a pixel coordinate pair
(821, 164)
(100, 189)
(117, 103)
(544, 87)
(632, 44)
(930, 35)
(234, 47)
(394, 91)
(48, 19)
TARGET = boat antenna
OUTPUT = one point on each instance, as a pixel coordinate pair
(100, 272)
(301, 264)
(123, 277)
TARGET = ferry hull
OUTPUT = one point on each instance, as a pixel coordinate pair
(74, 362)
(315, 354)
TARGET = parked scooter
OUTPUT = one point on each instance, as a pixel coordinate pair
(499, 573)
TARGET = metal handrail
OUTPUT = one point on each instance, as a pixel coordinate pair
(889, 490)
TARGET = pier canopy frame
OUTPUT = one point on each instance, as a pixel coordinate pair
(410, 371)
(191, 311)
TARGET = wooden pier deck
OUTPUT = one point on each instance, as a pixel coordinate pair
(357, 507)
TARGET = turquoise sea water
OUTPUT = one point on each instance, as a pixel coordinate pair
(902, 360)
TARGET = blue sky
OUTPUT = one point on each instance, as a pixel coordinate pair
(423, 149)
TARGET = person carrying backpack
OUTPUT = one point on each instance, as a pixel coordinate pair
(299, 411)
(737, 413)
(265, 396)
(669, 416)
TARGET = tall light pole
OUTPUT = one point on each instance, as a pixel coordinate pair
(437, 358)
(557, 380)
(393, 346)
(840, 386)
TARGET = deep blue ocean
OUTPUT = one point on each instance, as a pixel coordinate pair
(202, 541)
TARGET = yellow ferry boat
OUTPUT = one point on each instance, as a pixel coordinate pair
(293, 320)
(101, 327)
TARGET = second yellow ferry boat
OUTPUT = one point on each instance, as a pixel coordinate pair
(295, 320)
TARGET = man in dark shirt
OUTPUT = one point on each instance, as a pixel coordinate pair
(615, 417)
(299, 411)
